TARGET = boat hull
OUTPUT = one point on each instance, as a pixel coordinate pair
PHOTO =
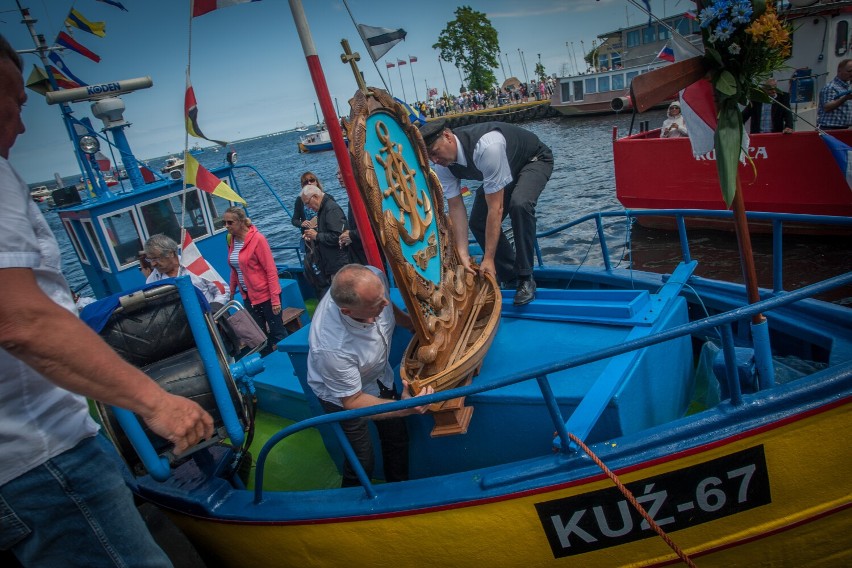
(798, 519)
(788, 173)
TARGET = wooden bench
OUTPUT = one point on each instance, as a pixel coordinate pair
(291, 318)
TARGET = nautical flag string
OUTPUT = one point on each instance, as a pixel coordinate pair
(77, 20)
(200, 177)
(842, 154)
(201, 7)
(114, 3)
(60, 65)
(61, 80)
(380, 40)
(191, 259)
(190, 109)
(68, 42)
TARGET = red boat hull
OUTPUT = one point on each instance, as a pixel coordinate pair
(791, 173)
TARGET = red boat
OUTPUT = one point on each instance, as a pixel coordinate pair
(791, 173)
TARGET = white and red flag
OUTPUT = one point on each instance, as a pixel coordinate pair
(192, 260)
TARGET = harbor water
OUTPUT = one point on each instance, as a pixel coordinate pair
(582, 183)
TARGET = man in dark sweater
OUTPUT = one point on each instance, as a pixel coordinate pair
(772, 117)
(514, 166)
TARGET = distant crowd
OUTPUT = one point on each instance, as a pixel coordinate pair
(514, 93)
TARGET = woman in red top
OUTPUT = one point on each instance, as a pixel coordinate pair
(254, 274)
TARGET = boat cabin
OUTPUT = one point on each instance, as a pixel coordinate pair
(108, 232)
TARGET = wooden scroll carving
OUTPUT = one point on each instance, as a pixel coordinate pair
(455, 314)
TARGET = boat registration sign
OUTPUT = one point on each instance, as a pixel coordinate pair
(676, 500)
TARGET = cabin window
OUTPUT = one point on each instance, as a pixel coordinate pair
(663, 32)
(165, 216)
(603, 84)
(649, 34)
(630, 76)
(603, 61)
(122, 231)
(841, 44)
(616, 60)
(633, 38)
(618, 82)
(75, 242)
(591, 85)
(565, 92)
(578, 91)
(683, 26)
(217, 206)
(89, 229)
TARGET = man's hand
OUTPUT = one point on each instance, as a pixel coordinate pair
(406, 394)
(487, 267)
(310, 235)
(181, 421)
(345, 239)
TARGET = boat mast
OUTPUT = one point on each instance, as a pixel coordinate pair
(368, 239)
(40, 49)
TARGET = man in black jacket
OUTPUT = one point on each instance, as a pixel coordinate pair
(514, 166)
(776, 117)
(325, 238)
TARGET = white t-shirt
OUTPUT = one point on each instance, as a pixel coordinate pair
(208, 288)
(38, 420)
(489, 157)
(347, 356)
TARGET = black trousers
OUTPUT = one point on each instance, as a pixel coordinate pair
(519, 201)
(393, 434)
(269, 322)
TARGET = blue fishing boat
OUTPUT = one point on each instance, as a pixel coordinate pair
(623, 417)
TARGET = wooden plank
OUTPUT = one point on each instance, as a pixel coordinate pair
(654, 87)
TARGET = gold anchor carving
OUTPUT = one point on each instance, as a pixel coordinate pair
(428, 252)
(403, 188)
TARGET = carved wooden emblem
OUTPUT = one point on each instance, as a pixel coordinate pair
(455, 314)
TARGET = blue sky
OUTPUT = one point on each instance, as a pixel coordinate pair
(248, 69)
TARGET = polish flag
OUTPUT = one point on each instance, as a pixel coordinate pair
(698, 107)
(193, 261)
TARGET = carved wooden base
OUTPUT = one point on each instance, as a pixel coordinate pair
(451, 416)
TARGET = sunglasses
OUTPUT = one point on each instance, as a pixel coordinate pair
(306, 181)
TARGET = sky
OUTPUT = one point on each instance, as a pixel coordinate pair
(248, 69)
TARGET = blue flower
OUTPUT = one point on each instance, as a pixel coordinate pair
(707, 15)
(724, 30)
(741, 12)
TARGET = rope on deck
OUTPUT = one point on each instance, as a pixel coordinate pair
(632, 500)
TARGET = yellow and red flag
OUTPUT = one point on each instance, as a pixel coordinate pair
(200, 177)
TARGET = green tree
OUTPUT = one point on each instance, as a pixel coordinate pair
(470, 42)
(540, 72)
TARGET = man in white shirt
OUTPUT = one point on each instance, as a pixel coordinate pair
(63, 499)
(350, 338)
(514, 166)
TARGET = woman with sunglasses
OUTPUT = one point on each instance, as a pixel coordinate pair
(254, 273)
(305, 218)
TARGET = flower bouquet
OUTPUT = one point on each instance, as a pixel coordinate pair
(744, 43)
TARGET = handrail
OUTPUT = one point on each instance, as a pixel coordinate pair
(543, 370)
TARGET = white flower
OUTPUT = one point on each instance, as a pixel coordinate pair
(734, 49)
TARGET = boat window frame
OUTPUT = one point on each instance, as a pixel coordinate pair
(604, 84)
(593, 81)
(633, 38)
(208, 198)
(138, 225)
(75, 241)
(202, 203)
(618, 78)
(582, 96)
(95, 242)
(841, 41)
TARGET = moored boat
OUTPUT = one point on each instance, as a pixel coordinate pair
(739, 467)
(173, 163)
(622, 55)
(790, 173)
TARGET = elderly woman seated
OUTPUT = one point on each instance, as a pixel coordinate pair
(673, 126)
(162, 253)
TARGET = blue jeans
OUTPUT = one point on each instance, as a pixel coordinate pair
(75, 510)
